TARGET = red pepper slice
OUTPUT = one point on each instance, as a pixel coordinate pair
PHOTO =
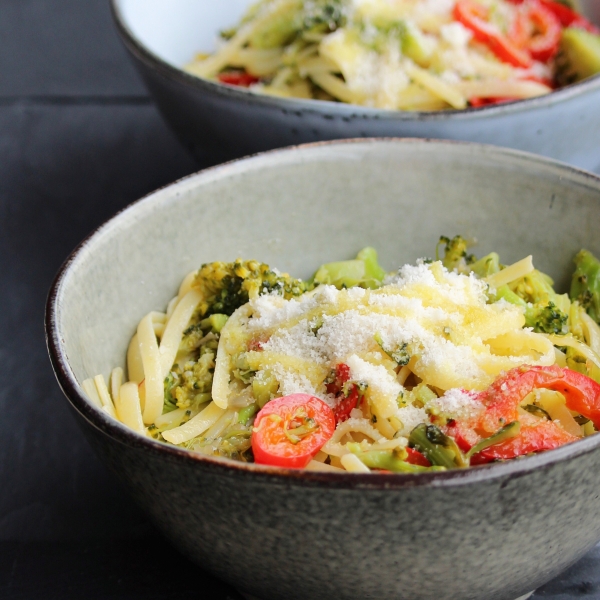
(346, 405)
(416, 458)
(348, 396)
(239, 78)
(568, 17)
(290, 430)
(537, 30)
(502, 398)
(479, 102)
(545, 435)
(475, 18)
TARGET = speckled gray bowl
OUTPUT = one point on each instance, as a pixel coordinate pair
(220, 122)
(490, 533)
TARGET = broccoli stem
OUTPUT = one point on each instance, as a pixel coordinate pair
(247, 413)
(505, 293)
(363, 271)
(585, 285)
(373, 271)
(389, 460)
(437, 447)
(506, 433)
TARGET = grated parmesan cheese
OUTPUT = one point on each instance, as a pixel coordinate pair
(457, 404)
(440, 319)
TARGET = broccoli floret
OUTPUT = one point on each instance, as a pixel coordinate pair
(455, 254)
(536, 288)
(324, 16)
(301, 18)
(227, 286)
(546, 319)
(585, 285)
(189, 385)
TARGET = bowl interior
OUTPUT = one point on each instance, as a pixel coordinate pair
(300, 207)
(176, 30)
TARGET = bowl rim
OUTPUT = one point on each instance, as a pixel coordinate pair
(335, 109)
(277, 475)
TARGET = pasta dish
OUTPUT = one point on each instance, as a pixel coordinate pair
(446, 363)
(423, 55)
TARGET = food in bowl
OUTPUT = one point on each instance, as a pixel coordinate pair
(423, 55)
(444, 364)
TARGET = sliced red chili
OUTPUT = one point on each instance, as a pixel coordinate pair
(568, 17)
(474, 17)
(502, 398)
(347, 404)
(417, 458)
(545, 435)
(479, 102)
(239, 78)
(537, 30)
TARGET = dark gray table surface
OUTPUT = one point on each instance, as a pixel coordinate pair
(79, 139)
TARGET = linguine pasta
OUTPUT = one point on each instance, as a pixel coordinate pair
(423, 55)
(387, 353)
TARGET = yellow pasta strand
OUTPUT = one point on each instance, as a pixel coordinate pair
(511, 273)
(107, 403)
(128, 408)
(89, 387)
(135, 367)
(153, 379)
(353, 464)
(195, 426)
(175, 327)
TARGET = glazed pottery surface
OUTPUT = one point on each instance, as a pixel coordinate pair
(219, 122)
(490, 533)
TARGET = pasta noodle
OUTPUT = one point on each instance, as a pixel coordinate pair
(386, 356)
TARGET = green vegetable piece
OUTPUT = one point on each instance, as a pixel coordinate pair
(363, 271)
(506, 433)
(538, 411)
(546, 319)
(505, 293)
(399, 354)
(389, 460)
(585, 285)
(414, 45)
(278, 31)
(347, 273)
(264, 388)
(374, 272)
(247, 413)
(437, 447)
(536, 288)
(486, 266)
(578, 56)
(217, 322)
(323, 16)
(227, 286)
(456, 257)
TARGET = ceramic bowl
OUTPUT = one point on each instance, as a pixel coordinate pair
(220, 122)
(489, 533)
